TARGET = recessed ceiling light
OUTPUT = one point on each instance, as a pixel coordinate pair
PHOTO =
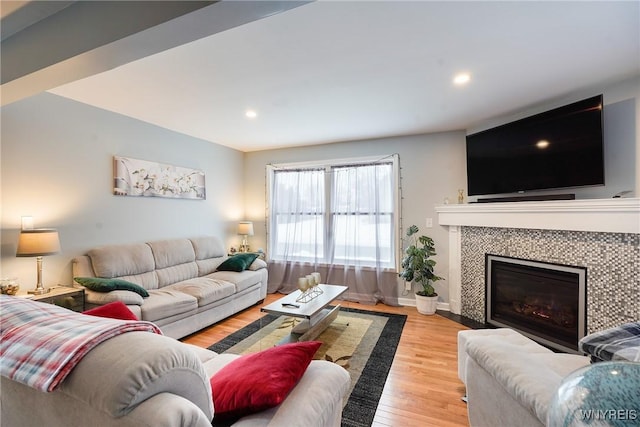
(542, 144)
(461, 79)
(251, 114)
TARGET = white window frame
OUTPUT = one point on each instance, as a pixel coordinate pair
(328, 165)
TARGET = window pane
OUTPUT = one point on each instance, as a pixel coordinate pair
(299, 238)
(357, 239)
(299, 191)
(363, 188)
(298, 215)
(363, 215)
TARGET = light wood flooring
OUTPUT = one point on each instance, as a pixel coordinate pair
(422, 388)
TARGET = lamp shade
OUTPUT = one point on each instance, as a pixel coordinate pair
(245, 228)
(38, 242)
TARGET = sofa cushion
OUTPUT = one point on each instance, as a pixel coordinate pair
(100, 298)
(176, 273)
(148, 280)
(210, 253)
(243, 280)
(113, 310)
(208, 247)
(175, 261)
(122, 260)
(167, 253)
(208, 266)
(238, 262)
(100, 284)
(205, 289)
(258, 381)
(164, 303)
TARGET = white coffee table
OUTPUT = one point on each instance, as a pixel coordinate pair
(317, 316)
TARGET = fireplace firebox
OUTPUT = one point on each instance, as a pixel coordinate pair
(544, 301)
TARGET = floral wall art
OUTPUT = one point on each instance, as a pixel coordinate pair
(134, 177)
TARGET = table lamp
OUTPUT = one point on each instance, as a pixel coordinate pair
(245, 228)
(37, 243)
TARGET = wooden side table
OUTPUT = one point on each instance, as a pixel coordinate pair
(63, 296)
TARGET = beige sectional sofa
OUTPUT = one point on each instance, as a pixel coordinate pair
(186, 292)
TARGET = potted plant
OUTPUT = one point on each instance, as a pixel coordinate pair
(417, 266)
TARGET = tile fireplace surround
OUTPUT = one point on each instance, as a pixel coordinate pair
(602, 235)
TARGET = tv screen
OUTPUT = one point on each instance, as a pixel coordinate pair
(559, 148)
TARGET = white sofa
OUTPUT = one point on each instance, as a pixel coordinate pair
(142, 379)
(186, 292)
(510, 379)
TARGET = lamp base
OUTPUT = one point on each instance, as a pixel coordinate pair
(244, 247)
(39, 291)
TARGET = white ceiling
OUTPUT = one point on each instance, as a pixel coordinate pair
(335, 70)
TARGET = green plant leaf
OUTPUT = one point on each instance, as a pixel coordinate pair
(417, 266)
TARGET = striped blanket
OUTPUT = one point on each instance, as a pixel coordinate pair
(41, 343)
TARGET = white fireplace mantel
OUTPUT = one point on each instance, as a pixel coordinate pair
(598, 215)
(594, 215)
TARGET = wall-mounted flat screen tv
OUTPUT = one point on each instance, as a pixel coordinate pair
(559, 148)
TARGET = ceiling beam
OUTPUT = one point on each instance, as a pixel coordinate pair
(18, 15)
(87, 38)
(79, 28)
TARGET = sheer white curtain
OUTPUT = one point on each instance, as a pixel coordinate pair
(339, 220)
(297, 215)
(362, 229)
(296, 226)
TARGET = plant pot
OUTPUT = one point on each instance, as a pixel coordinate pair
(426, 305)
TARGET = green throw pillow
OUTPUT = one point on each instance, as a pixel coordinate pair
(237, 262)
(100, 284)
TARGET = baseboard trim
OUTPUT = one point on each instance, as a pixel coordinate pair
(444, 310)
(410, 302)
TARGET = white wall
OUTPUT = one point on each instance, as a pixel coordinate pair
(432, 169)
(57, 166)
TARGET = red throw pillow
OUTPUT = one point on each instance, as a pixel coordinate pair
(255, 382)
(113, 310)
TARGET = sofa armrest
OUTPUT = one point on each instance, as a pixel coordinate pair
(529, 377)
(161, 410)
(100, 298)
(23, 406)
(316, 401)
(257, 264)
(81, 267)
(128, 369)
